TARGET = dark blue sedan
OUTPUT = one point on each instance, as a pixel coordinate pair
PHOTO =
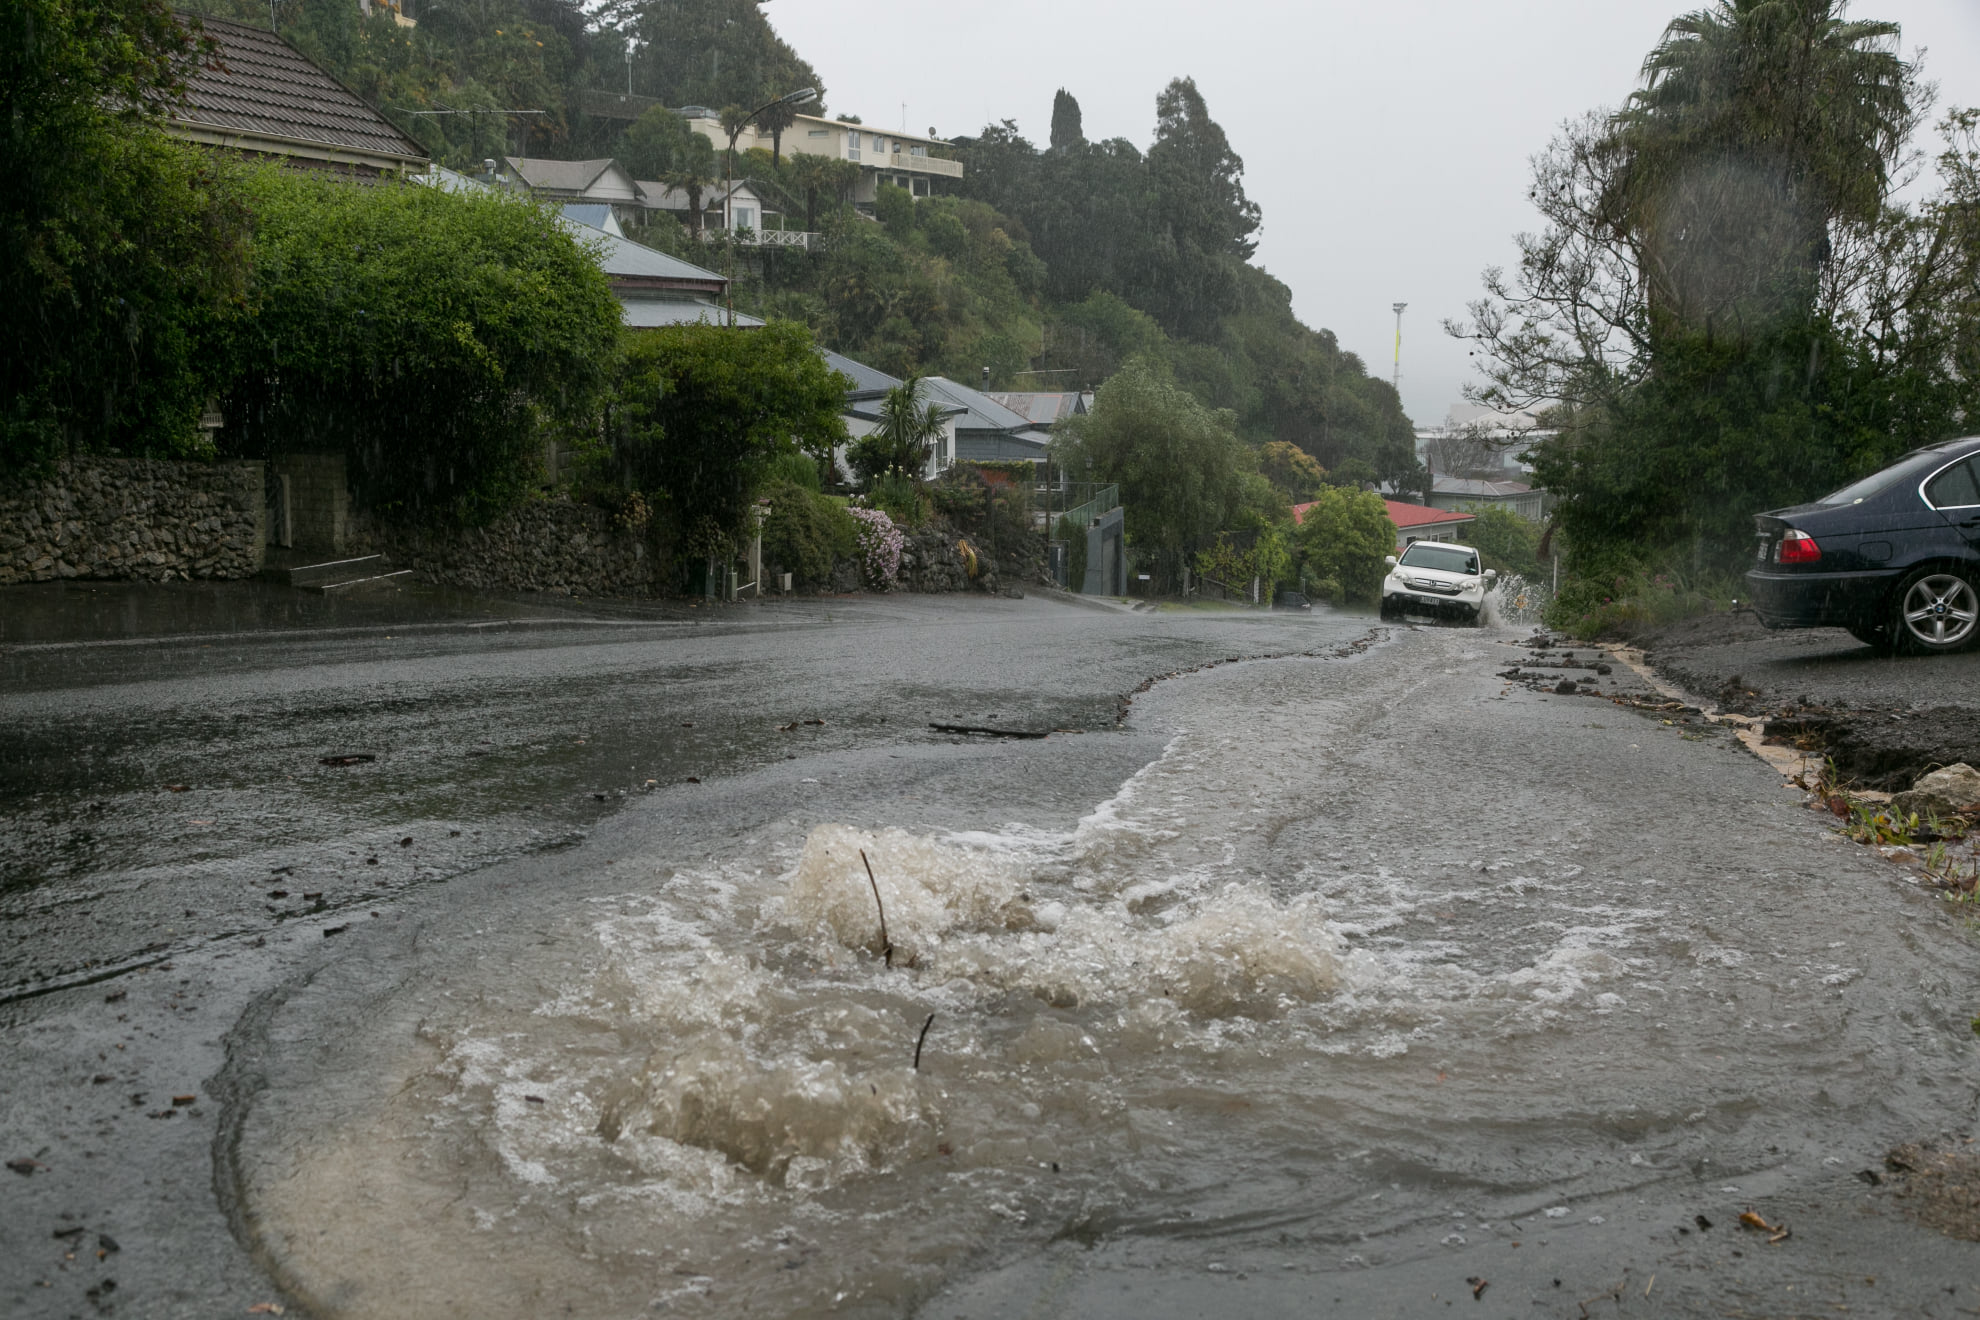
(1894, 558)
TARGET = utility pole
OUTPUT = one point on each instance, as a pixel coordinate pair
(1397, 379)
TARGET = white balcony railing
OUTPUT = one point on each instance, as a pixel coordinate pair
(790, 238)
(901, 160)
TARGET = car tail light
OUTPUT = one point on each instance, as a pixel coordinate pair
(1799, 548)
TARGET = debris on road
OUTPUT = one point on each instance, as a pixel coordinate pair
(995, 733)
(350, 758)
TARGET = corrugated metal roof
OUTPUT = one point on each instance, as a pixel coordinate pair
(1042, 409)
(982, 413)
(621, 258)
(257, 84)
(652, 313)
(866, 380)
(558, 175)
(597, 215)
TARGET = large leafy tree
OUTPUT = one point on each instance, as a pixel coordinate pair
(1727, 310)
(1066, 128)
(1180, 465)
(1344, 536)
(433, 337)
(1203, 222)
(119, 250)
(701, 413)
(1761, 126)
(708, 52)
(657, 142)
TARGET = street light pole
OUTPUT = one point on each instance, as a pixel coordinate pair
(801, 96)
(1396, 381)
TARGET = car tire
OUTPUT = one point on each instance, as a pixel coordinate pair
(1937, 611)
(1389, 611)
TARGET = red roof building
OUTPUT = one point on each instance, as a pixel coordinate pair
(1414, 522)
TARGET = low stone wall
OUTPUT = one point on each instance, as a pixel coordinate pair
(932, 560)
(134, 518)
(545, 545)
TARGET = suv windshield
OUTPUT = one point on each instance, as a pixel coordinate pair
(1912, 467)
(1444, 558)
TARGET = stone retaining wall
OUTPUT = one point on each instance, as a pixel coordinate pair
(545, 545)
(134, 518)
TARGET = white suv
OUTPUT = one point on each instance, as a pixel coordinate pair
(1436, 577)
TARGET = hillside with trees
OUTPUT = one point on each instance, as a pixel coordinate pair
(1052, 268)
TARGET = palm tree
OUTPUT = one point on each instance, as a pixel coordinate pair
(692, 171)
(1760, 125)
(908, 428)
(774, 119)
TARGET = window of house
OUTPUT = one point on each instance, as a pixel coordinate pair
(852, 145)
(917, 150)
(818, 132)
(745, 217)
(921, 187)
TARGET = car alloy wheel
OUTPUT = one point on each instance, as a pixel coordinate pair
(1938, 610)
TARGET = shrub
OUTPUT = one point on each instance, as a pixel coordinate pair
(800, 469)
(429, 335)
(807, 534)
(880, 546)
(1345, 537)
(702, 413)
(899, 496)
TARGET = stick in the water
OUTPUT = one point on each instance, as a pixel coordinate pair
(921, 1040)
(886, 945)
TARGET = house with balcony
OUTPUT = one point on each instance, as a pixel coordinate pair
(906, 160)
(737, 203)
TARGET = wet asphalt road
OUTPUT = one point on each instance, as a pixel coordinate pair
(1817, 666)
(174, 843)
(158, 794)
(1883, 719)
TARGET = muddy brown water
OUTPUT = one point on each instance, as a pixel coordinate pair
(1373, 948)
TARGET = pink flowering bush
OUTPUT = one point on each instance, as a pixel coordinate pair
(880, 546)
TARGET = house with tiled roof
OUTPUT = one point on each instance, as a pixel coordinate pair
(255, 93)
(1414, 522)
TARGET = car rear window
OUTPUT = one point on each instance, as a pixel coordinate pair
(1909, 468)
(1954, 487)
(1444, 558)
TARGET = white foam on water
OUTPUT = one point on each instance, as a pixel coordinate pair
(730, 1052)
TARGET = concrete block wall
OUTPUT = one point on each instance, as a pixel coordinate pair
(132, 518)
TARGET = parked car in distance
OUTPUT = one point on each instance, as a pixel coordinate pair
(1436, 578)
(1894, 558)
(1291, 600)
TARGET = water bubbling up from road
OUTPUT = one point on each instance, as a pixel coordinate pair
(1213, 1008)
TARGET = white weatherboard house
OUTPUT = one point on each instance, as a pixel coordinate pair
(862, 410)
(906, 160)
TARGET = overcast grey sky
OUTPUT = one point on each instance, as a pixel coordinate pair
(1387, 142)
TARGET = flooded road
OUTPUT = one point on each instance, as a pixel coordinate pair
(1347, 980)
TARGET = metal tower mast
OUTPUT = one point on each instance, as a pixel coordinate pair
(1397, 379)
